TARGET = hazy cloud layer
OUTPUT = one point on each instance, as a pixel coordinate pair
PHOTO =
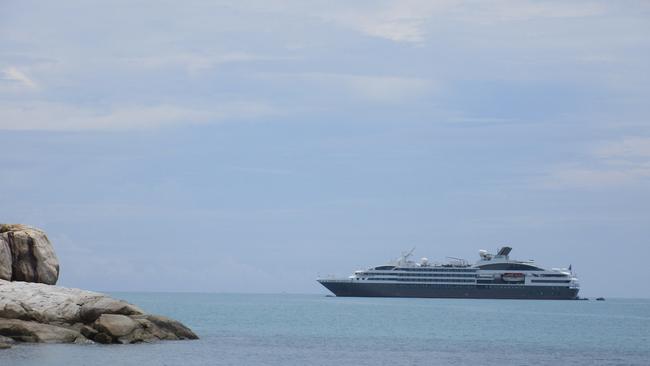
(249, 145)
(622, 163)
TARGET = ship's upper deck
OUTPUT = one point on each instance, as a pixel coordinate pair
(488, 262)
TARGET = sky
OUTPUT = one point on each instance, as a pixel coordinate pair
(251, 146)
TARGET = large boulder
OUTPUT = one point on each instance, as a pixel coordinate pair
(172, 329)
(26, 254)
(32, 309)
(56, 304)
(26, 331)
(115, 325)
(113, 328)
(92, 309)
(34, 312)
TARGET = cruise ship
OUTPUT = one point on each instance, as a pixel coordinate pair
(491, 277)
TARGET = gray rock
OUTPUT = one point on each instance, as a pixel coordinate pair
(92, 309)
(170, 327)
(137, 336)
(43, 303)
(5, 259)
(26, 331)
(103, 338)
(115, 325)
(7, 340)
(33, 310)
(17, 310)
(78, 316)
(88, 332)
(32, 255)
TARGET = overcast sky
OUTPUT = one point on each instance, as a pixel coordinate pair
(251, 146)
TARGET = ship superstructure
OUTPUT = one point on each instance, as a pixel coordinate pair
(492, 276)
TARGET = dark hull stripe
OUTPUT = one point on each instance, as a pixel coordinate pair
(340, 288)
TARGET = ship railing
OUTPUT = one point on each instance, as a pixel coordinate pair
(333, 278)
(336, 279)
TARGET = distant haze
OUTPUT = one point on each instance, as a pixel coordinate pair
(251, 146)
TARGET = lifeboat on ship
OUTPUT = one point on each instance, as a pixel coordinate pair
(513, 277)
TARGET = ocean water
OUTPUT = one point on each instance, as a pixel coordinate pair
(238, 329)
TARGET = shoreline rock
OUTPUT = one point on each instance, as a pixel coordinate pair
(33, 309)
(32, 312)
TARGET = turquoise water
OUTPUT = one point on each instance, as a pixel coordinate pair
(318, 330)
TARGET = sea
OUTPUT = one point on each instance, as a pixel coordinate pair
(286, 329)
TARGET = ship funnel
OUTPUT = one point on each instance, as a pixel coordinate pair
(504, 251)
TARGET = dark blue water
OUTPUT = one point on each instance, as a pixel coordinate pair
(317, 330)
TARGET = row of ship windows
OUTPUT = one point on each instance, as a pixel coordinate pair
(436, 285)
(416, 279)
(491, 267)
(437, 269)
(456, 275)
(521, 286)
(550, 281)
(419, 274)
(509, 267)
(552, 275)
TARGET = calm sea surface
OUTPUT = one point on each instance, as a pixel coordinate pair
(318, 330)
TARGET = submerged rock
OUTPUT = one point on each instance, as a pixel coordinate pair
(32, 312)
(6, 342)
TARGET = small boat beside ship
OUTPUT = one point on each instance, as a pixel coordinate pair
(493, 276)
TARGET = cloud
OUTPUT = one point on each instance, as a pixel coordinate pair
(374, 88)
(194, 63)
(13, 76)
(518, 10)
(627, 148)
(59, 116)
(402, 21)
(619, 163)
(410, 21)
(388, 26)
(531, 9)
(387, 89)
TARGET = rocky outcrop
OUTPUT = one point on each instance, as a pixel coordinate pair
(26, 331)
(26, 254)
(31, 312)
(32, 309)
